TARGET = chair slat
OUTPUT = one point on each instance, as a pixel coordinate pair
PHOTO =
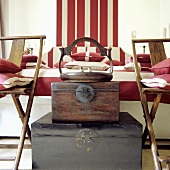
(17, 51)
(157, 52)
(20, 91)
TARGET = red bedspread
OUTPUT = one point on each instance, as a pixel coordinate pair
(128, 86)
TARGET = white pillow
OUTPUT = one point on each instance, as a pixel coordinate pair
(99, 66)
(33, 65)
(131, 66)
(8, 80)
(160, 81)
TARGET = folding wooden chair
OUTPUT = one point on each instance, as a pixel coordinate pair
(16, 53)
(157, 54)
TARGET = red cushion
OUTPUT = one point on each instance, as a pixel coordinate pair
(143, 58)
(161, 81)
(145, 65)
(115, 63)
(29, 58)
(8, 80)
(87, 56)
(56, 65)
(162, 67)
(7, 66)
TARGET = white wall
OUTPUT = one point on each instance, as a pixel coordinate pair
(165, 17)
(146, 18)
(38, 17)
(142, 16)
(165, 22)
(33, 18)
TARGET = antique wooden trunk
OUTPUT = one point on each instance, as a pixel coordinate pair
(85, 102)
(87, 146)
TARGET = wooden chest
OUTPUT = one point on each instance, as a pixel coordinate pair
(87, 146)
(85, 102)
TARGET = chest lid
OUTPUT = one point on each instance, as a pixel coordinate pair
(94, 86)
(126, 127)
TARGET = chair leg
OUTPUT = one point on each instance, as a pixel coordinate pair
(21, 112)
(165, 159)
(23, 132)
(152, 116)
(148, 121)
(168, 166)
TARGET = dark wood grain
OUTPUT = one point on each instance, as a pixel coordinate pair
(118, 145)
(103, 108)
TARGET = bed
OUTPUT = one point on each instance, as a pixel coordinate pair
(123, 72)
(129, 95)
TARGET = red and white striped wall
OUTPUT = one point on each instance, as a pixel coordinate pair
(53, 55)
(97, 19)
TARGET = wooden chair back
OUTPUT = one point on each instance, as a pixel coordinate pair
(17, 51)
(15, 56)
(157, 54)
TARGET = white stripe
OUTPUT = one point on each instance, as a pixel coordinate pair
(115, 53)
(110, 23)
(81, 49)
(87, 18)
(64, 22)
(45, 58)
(87, 21)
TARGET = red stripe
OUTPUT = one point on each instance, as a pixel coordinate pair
(94, 19)
(71, 22)
(122, 56)
(74, 50)
(59, 23)
(50, 58)
(80, 20)
(115, 23)
(103, 22)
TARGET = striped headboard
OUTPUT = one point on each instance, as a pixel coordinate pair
(97, 19)
(53, 55)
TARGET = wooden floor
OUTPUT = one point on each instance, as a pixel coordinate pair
(26, 160)
(11, 143)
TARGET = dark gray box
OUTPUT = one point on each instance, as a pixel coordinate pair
(87, 146)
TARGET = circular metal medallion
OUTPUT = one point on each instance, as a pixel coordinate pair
(85, 93)
(87, 139)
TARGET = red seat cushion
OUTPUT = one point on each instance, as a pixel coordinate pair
(162, 67)
(7, 66)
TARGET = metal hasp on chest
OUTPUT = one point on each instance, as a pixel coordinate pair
(85, 96)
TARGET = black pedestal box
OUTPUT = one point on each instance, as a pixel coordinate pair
(87, 146)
